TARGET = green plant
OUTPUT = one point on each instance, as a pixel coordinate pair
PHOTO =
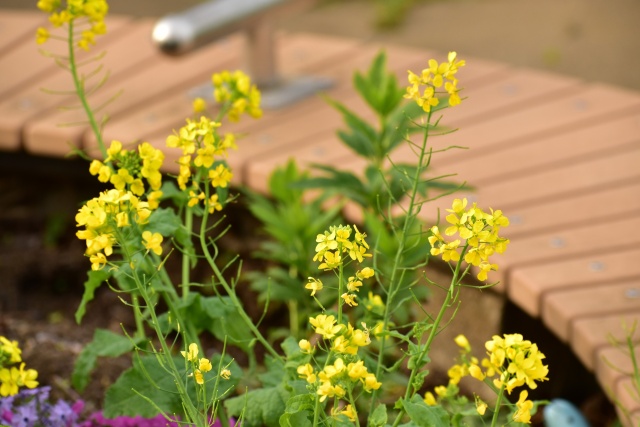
(363, 361)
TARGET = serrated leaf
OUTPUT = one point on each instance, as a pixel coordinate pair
(93, 282)
(104, 344)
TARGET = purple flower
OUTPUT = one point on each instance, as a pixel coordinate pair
(24, 416)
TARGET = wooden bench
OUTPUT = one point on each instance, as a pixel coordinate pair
(558, 155)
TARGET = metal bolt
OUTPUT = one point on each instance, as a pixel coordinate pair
(632, 293)
(596, 266)
(557, 242)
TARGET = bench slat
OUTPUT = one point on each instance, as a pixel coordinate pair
(529, 286)
(18, 109)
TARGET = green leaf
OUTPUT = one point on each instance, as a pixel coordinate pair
(149, 386)
(379, 416)
(379, 87)
(104, 344)
(274, 374)
(262, 407)
(424, 415)
(93, 282)
(220, 310)
(297, 419)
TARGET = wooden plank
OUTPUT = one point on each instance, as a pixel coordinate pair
(529, 286)
(525, 189)
(526, 126)
(574, 211)
(17, 27)
(560, 309)
(170, 112)
(626, 395)
(614, 367)
(141, 86)
(591, 334)
(18, 109)
(554, 151)
(492, 91)
(24, 63)
(565, 243)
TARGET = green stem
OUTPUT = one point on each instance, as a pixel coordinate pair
(231, 292)
(448, 299)
(394, 282)
(79, 86)
(496, 411)
(186, 259)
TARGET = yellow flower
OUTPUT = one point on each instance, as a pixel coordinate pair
(327, 389)
(153, 242)
(199, 105)
(10, 349)
(214, 204)
(225, 374)
(371, 383)
(8, 382)
(524, 406)
(98, 261)
(305, 346)
(198, 376)
(349, 299)
(462, 342)
(331, 260)
(192, 354)
(349, 412)
(220, 176)
(42, 35)
(481, 407)
(353, 285)
(430, 399)
(325, 325)
(314, 285)
(204, 365)
(306, 372)
(365, 273)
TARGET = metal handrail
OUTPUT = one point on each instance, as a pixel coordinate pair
(182, 32)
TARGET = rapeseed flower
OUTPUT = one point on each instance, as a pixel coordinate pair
(425, 87)
(479, 238)
(89, 15)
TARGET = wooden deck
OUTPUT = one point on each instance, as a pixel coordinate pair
(558, 155)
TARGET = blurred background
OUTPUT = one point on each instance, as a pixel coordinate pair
(592, 39)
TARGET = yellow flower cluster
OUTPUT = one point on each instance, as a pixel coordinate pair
(333, 243)
(236, 90)
(126, 169)
(203, 364)
(117, 208)
(478, 229)
(335, 379)
(432, 79)
(101, 218)
(200, 144)
(11, 377)
(90, 13)
(513, 360)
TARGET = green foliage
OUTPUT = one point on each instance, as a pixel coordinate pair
(93, 282)
(423, 415)
(149, 386)
(104, 344)
(381, 184)
(260, 407)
